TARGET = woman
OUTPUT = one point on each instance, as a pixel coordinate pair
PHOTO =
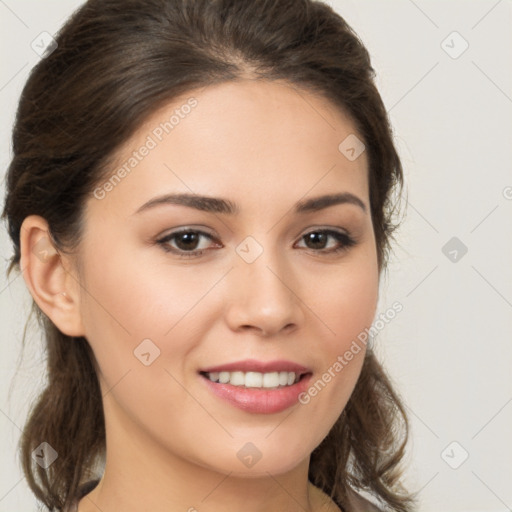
(200, 201)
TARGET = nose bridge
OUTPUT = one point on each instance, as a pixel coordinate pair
(264, 285)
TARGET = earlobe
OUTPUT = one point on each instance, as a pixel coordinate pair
(49, 279)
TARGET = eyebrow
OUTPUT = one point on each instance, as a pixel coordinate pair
(225, 206)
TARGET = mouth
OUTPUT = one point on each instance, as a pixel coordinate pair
(252, 373)
(257, 392)
(267, 380)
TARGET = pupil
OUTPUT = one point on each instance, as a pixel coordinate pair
(318, 239)
(190, 240)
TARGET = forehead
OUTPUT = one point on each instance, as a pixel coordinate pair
(259, 140)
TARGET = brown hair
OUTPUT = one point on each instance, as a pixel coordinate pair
(117, 62)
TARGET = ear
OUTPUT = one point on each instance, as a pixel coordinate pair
(50, 277)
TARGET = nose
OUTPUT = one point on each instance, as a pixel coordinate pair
(264, 297)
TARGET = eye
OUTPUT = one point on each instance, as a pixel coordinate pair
(186, 242)
(318, 239)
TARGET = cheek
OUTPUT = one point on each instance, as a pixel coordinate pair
(128, 300)
(347, 306)
(356, 304)
(345, 302)
(128, 291)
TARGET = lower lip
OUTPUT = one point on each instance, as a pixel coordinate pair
(259, 400)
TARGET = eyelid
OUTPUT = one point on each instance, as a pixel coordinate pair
(186, 229)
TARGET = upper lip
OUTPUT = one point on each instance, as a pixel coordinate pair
(253, 365)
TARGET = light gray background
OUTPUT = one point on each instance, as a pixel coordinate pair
(450, 350)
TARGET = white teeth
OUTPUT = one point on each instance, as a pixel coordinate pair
(237, 379)
(271, 380)
(255, 379)
(283, 378)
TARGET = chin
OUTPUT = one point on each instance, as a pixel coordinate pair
(258, 458)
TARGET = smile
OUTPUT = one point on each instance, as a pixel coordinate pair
(255, 379)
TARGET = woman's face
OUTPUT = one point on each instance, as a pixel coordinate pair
(255, 291)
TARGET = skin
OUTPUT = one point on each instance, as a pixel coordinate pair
(171, 444)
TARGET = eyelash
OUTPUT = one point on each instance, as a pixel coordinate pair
(346, 240)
